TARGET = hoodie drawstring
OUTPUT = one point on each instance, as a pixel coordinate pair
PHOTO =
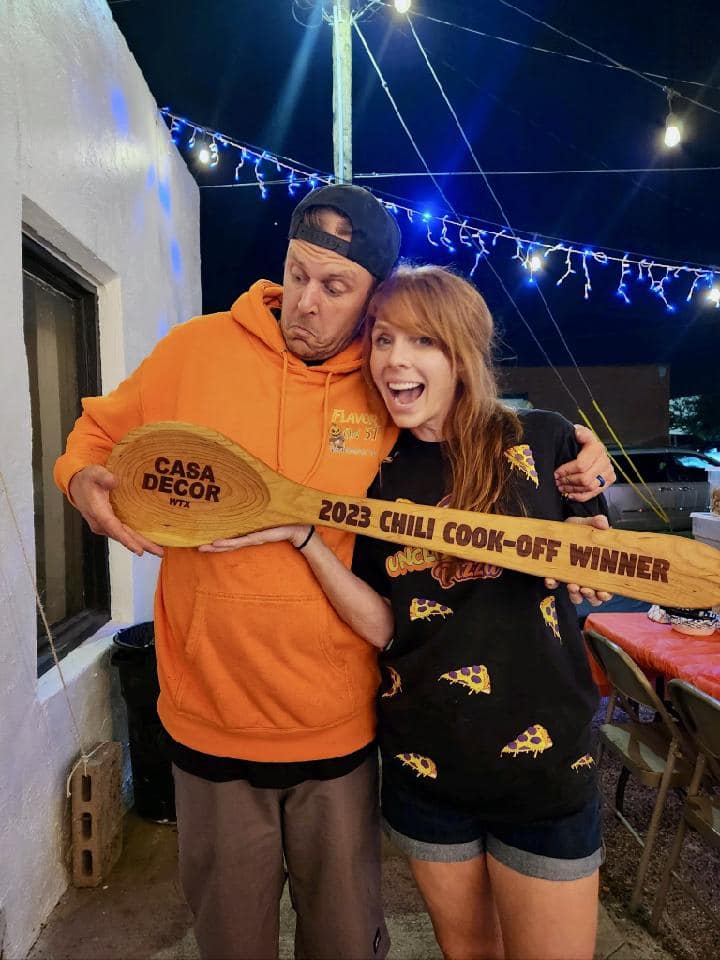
(281, 416)
(323, 439)
(281, 420)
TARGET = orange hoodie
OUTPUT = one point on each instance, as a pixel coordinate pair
(253, 661)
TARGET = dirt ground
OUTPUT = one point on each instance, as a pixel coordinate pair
(685, 931)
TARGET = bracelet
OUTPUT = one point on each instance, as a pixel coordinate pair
(306, 541)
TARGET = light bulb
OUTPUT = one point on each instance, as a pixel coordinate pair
(204, 155)
(402, 6)
(714, 296)
(673, 134)
(536, 262)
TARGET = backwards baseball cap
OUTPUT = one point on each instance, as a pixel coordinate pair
(375, 242)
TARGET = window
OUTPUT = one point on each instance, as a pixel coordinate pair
(61, 341)
(516, 401)
(690, 468)
(653, 467)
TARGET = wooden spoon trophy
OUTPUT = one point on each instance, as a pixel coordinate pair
(183, 485)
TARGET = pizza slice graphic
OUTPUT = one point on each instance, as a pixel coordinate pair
(475, 678)
(584, 761)
(395, 683)
(549, 615)
(534, 740)
(521, 459)
(423, 766)
(421, 609)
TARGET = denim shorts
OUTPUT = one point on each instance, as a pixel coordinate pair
(564, 848)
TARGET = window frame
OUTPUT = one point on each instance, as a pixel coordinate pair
(70, 632)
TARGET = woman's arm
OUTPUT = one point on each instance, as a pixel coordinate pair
(362, 609)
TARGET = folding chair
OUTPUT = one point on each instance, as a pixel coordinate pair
(655, 752)
(700, 715)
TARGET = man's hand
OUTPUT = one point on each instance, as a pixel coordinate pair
(576, 592)
(587, 476)
(295, 533)
(89, 492)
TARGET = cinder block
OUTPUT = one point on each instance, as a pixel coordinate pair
(97, 815)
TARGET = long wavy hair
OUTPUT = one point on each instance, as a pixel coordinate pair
(433, 301)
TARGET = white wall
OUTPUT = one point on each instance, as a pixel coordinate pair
(87, 166)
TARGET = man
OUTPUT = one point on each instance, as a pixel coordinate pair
(266, 694)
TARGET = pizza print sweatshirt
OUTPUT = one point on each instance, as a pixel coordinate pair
(253, 662)
(487, 699)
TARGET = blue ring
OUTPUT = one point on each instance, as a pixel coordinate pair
(601, 480)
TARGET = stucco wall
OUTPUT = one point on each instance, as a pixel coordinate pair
(87, 166)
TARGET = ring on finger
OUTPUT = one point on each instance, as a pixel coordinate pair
(601, 480)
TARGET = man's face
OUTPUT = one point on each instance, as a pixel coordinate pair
(324, 298)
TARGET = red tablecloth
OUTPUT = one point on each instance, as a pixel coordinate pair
(657, 648)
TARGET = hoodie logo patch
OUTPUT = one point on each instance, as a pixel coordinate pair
(350, 428)
(337, 440)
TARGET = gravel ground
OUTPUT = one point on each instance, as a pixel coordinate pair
(685, 931)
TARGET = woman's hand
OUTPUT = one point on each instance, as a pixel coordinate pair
(577, 593)
(295, 533)
(355, 602)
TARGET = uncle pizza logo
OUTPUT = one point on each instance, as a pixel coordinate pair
(446, 570)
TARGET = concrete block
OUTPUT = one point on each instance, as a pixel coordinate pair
(97, 815)
(706, 528)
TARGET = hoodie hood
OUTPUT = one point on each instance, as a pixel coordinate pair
(253, 311)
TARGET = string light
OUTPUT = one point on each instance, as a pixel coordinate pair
(449, 234)
(622, 286)
(673, 129)
(403, 6)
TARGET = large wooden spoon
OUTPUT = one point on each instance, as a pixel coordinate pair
(182, 485)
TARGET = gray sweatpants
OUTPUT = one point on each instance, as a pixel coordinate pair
(236, 841)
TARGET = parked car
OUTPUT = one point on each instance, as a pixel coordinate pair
(677, 479)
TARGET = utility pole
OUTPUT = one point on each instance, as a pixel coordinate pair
(342, 90)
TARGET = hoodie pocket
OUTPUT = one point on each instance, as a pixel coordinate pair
(262, 663)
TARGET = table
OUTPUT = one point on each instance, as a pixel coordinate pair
(658, 649)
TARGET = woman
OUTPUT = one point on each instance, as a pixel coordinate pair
(485, 708)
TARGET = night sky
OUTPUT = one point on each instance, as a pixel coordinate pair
(248, 69)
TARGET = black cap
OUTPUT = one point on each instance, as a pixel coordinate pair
(375, 242)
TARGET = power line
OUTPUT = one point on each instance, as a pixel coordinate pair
(500, 207)
(657, 508)
(637, 182)
(606, 56)
(559, 53)
(533, 173)
(448, 204)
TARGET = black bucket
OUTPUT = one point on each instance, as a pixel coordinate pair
(134, 657)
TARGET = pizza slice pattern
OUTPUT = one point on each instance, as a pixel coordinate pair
(549, 615)
(521, 459)
(534, 740)
(585, 761)
(423, 766)
(395, 683)
(421, 609)
(475, 678)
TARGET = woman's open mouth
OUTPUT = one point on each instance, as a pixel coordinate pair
(406, 392)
